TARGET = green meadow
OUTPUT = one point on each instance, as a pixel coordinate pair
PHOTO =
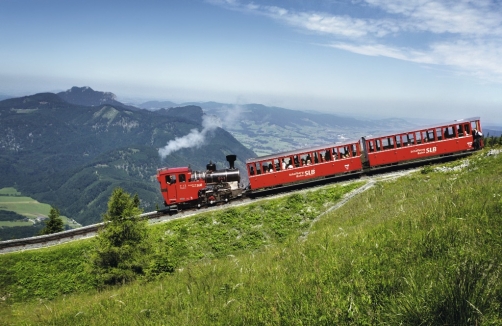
(13, 201)
(424, 249)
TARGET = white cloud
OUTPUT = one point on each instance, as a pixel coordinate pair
(466, 34)
(458, 16)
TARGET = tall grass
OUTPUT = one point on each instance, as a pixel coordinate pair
(424, 249)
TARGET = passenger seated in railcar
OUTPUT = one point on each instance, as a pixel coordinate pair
(309, 159)
(297, 163)
(290, 166)
(270, 167)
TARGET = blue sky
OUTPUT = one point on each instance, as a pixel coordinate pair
(423, 59)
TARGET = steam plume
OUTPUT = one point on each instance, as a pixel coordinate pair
(193, 138)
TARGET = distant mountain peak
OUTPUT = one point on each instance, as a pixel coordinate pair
(87, 96)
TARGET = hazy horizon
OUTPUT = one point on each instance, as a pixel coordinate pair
(440, 59)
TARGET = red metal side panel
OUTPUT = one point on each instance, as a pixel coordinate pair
(179, 192)
(188, 191)
(424, 150)
(305, 173)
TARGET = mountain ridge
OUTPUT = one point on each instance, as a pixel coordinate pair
(72, 156)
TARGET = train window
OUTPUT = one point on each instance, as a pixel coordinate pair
(172, 179)
(258, 169)
(336, 156)
(378, 145)
(370, 146)
(388, 143)
(277, 164)
(306, 159)
(316, 157)
(269, 166)
(322, 156)
(398, 141)
(289, 163)
(467, 129)
(251, 170)
(296, 161)
(430, 135)
(460, 130)
(354, 150)
(474, 125)
(182, 178)
(439, 134)
(385, 143)
(448, 132)
(411, 139)
(283, 164)
(419, 138)
(327, 155)
(343, 153)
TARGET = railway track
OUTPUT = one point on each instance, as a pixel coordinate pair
(156, 217)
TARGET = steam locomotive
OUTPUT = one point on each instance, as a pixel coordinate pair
(181, 187)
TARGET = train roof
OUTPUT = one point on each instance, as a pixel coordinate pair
(418, 128)
(299, 151)
(174, 170)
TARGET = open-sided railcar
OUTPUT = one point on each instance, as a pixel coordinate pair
(303, 164)
(421, 143)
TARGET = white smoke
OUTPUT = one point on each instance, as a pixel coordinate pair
(194, 138)
(232, 116)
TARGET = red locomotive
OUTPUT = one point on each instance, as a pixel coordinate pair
(184, 187)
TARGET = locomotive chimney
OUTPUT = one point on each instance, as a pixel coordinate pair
(231, 159)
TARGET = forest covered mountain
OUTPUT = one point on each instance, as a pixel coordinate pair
(72, 155)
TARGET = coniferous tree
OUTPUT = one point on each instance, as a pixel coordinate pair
(121, 247)
(54, 224)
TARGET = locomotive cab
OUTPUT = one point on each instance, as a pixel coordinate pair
(179, 186)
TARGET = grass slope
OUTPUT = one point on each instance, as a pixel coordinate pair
(424, 249)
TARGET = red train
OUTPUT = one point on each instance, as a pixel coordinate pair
(184, 187)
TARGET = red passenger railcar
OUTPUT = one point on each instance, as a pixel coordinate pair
(303, 165)
(455, 137)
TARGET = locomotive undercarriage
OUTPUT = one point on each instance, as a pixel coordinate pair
(218, 193)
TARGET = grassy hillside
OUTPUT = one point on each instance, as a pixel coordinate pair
(423, 249)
